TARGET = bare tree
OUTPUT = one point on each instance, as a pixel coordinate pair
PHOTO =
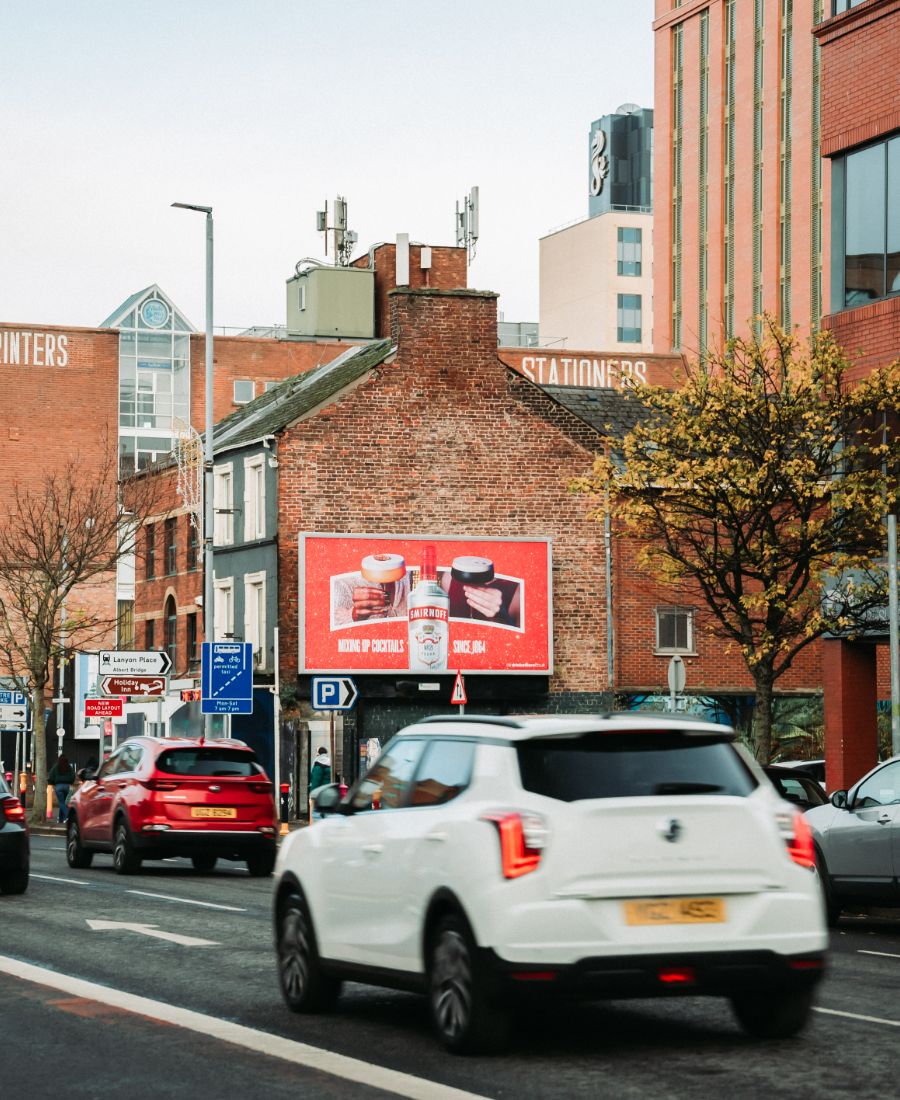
(63, 537)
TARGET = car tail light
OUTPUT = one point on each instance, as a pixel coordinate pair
(522, 840)
(261, 788)
(677, 975)
(12, 810)
(797, 835)
(161, 784)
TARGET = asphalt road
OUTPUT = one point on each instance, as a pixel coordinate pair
(93, 1040)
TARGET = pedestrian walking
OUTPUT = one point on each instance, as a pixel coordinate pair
(61, 778)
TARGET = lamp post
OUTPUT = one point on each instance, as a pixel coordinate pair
(208, 512)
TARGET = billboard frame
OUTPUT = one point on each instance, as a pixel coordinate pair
(402, 673)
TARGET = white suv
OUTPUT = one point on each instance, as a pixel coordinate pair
(485, 859)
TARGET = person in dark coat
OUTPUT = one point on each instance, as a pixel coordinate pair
(61, 778)
(320, 774)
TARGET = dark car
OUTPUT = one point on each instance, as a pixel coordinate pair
(797, 786)
(14, 850)
(159, 797)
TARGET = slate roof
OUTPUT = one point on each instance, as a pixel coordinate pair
(612, 413)
(292, 398)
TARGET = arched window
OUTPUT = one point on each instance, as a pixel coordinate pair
(171, 630)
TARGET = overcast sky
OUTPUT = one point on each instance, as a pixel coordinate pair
(112, 109)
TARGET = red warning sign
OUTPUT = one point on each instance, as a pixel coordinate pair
(459, 691)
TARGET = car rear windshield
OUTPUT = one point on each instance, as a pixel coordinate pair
(221, 762)
(632, 765)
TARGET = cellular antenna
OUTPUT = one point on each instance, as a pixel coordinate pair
(467, 224)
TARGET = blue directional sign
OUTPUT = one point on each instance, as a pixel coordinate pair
(333, 693)
(226, 678)
(12, 698)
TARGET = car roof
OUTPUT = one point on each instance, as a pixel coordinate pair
(526, 727)
(186, 742)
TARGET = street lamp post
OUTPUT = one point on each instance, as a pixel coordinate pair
(208, 511)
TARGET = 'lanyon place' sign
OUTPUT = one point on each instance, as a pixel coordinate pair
(424, 604)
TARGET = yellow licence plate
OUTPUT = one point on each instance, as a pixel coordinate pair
(675, 911)
(213, 811)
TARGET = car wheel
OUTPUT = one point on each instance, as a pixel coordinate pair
(76, 854)
(204, 864)
(125, 859)
(773, 1015)
(468, 1020)
(14, 882)
(304, 986)
(261, 864)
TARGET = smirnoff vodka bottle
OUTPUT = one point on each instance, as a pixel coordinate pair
(429, 619)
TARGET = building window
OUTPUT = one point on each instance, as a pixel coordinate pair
(272, 384)
(628, 251)
(125, 624)
(149, 634)
(171, 532)
(871, 193)
(837, 6)
(193, 545)
(151, 550)
(628, 318)
(192, 638)
(254, 498)
(223, 495)
(171, 624)
(224, 624)
(674, 630)
(244, 391)
(255, 616)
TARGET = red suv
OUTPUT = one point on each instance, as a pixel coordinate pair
(154, 798)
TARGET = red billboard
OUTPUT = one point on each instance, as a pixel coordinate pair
(425, 604)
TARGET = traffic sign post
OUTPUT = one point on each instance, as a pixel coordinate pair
(125, 662)
(142, 687)
(103, 708)
(333, 693)
(226, 678)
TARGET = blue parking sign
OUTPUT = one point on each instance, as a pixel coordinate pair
(226, 678)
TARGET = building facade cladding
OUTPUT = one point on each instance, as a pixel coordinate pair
(735, 170)
(860, 116)
(586, 284)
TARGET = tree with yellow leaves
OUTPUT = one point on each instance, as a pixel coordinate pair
(762, 484)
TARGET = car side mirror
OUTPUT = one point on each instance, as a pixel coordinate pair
(328, 799)
(839, 800)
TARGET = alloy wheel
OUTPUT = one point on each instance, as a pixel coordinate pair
(295, 953)
(451, 984)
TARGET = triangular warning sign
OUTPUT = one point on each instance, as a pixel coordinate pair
(459, 691)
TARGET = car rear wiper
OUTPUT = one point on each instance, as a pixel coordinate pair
(686, 788)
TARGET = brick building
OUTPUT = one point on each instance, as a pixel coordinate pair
(860, 49)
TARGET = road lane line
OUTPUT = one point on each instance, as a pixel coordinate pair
(883, 954)
(858, 1016)
(56, 878)
(262, 1042)
(188, 901)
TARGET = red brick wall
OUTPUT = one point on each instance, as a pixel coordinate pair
(260, 360)
(446, 440)
(860, 75)
(448, 271)
(870, 334)
(184, 584)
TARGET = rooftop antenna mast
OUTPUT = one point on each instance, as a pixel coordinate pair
(344, 239)
(467, 224)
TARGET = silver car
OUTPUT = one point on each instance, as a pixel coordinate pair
(857, 840)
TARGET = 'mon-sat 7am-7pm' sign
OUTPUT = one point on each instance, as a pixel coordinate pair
(424, 604)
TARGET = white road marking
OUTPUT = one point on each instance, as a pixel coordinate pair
(883, 954)
(188, 901)
(149, 930)
(56, 878)
(858, 1016)
(262, 1042)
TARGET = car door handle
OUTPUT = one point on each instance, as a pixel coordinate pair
(373, 849)
(885, 819)
(436, 836)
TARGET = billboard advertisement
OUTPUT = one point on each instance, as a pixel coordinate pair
(425, 604)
